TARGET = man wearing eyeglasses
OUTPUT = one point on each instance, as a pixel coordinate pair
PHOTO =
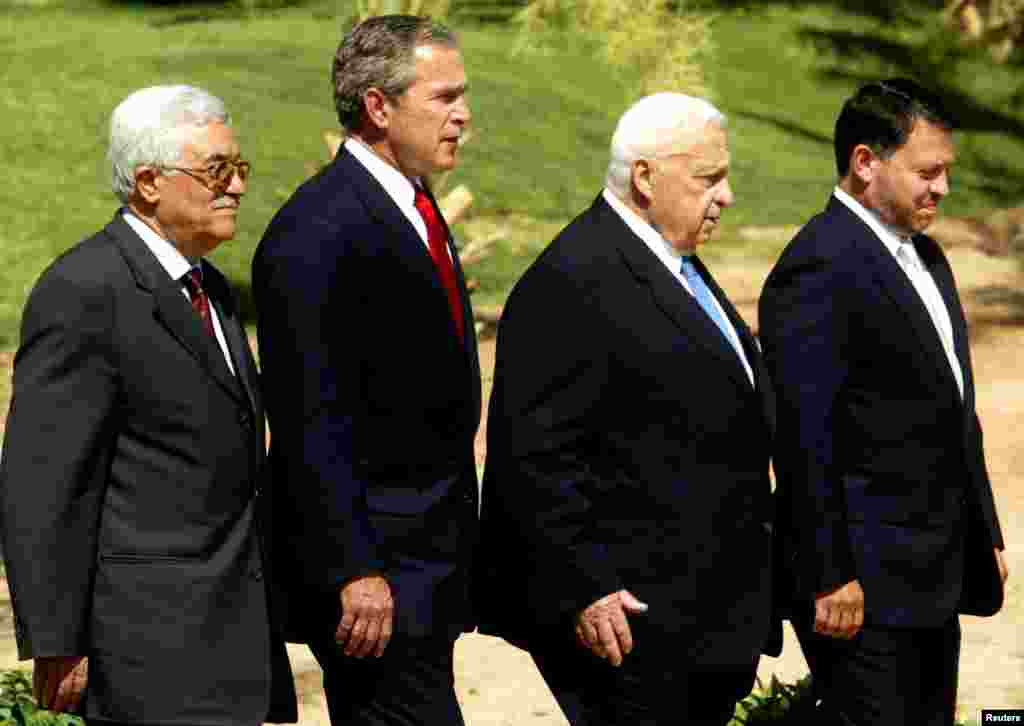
(886, 514)
(132, 485)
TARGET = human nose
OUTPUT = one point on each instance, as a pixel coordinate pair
(725, 195)
(238, 184)
(940, 185)
(461, 113)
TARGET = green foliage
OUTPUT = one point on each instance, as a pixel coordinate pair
(541, 120)
(779, 703)
(656, 45)
(18, 708)
(436, 9)
(782, 704)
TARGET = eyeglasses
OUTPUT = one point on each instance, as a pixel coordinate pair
(217, 177)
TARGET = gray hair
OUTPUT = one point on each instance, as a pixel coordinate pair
(657, 125)
(378, 53)
(152, 126)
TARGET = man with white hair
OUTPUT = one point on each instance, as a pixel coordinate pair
(133, 480)
(626, 501)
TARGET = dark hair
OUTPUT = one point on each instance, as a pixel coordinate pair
(882, 116)
(378, 53)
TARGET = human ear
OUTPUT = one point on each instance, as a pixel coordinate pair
(377, 107)
(642, 176)
(863, 163)
(146, 184)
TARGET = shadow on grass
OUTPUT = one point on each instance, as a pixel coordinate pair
(912, 61)
(887, 11)
(183, 12)
(783, 125)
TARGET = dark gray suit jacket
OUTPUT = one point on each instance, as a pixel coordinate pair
(132, 490)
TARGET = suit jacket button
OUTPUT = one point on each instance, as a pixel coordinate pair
(244, 418)
(257, 575)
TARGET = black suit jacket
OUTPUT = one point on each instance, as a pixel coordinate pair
(373, 404)
(881, 474)
(627, 448)
(132, 493)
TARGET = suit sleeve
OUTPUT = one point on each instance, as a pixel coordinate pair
(310, 355)
(56, 457)
(804, 329)
(544, 437)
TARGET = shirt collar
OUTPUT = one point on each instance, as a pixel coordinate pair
(395, 183)
(169, 257)
(662, 249)
(889, 235)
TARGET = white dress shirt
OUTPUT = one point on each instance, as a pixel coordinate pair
(903, 250)
(395, 183)
(177, 266)
(673, 261)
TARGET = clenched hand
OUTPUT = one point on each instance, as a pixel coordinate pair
(604, 628)
(840, 613)
(59, 681)
(366, 616)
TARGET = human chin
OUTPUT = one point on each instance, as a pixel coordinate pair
(446, 159)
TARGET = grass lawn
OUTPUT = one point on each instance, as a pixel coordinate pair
(542, 121)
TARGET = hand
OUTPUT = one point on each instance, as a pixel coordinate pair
(840, 613)
(59, 681)
(604, 629)
(1004, 571)
(366, 613)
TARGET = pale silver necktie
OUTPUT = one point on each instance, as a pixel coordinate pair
(928, 291)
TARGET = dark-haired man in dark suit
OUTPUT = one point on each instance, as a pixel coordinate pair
(372, 431)
(886, 509)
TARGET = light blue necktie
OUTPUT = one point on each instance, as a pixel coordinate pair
(703, 295)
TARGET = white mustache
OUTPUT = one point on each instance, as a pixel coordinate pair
(222, 202)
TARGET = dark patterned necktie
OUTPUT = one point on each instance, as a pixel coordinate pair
(200, 301)
(437, 240)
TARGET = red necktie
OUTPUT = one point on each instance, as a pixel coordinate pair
(200, 301)
(437, 240)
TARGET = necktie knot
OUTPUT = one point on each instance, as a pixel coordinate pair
(193, 281)
(437, 242)
(426, 209)
(908, 254)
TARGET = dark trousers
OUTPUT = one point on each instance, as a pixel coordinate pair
(412, 684)
(886, 676)
(653, 689)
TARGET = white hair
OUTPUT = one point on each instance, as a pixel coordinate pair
(657, 125)
(152, 126)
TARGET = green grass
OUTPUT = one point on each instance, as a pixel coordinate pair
(542, 120)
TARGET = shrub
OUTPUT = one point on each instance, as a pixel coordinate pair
(18, 708)
(657, 42)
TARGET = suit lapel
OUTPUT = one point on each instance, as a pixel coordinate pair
(901, 291)
(669, 295)
(407, 242)
(171, 308)
(410, 248)
(936, 264)
(747, 342)
(234, 335)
